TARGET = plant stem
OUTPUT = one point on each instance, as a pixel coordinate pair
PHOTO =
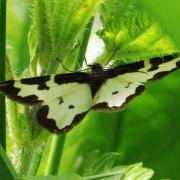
(55, 154)
(84, 40)
(2, 70)
(7, 171)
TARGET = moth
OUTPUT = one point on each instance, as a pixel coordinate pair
(65, 99)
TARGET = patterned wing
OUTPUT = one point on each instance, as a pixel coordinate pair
(125, 82)
(64, 98)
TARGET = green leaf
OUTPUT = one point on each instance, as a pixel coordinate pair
(17, 45)
(39, 38)
(103, 167)
(96, 164)
(131, 30)
(57, 25)
(6, 169)
(124, 173)
(62, 177)
(167, 14)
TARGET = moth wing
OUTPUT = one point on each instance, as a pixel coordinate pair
(115, 93)
(126, 82)
(64, 98)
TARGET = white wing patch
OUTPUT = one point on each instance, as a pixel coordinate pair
(73, 101)
(115, 93)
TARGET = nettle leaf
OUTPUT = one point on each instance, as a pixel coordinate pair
(95, 164)
(103, 167)
(57, 26)
(131, 30)
(134, 171)
(40, 44)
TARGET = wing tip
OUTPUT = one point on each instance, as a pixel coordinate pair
(165, 73)
(7, 88)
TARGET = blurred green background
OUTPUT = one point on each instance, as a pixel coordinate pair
(146, 131)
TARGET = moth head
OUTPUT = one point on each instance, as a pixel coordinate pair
(96, 67)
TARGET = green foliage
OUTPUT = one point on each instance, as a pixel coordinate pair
(103, 167)
(166, 13)
(147, 131)
(6, 169)
(131, 30)
(57, 25)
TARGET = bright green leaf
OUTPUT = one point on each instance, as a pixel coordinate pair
(131, 30)
(167, 14)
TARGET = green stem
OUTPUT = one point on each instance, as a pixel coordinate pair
(2, 70)
(100, 176)
(55, 154)
(84, 40)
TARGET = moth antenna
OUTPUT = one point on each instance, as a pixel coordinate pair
(68, 69)
(63, 65)
(114, 53)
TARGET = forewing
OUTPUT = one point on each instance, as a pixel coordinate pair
(126, 81)
(64, 99)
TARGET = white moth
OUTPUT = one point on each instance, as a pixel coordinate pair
(66, 98)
